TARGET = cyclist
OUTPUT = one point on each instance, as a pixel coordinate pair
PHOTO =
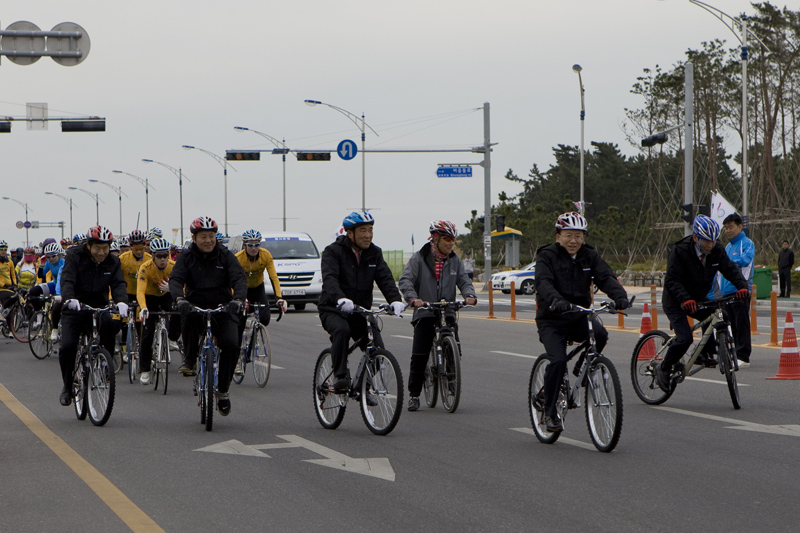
(50, 269)
(131, 262)
(154, 233)
(212, 276)
(115, 249)
(28, 269)
(89, 272)
(432, 274)
(565, 271)
(8, 275)
(692, 265)
(79, 239)
(124, 245)
(152, 293)
(350, 267)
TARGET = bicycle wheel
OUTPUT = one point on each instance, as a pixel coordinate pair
(603, 402)
(431, 384)
(536, 401)
(198, 391)
(100, 389)
(211, 356)
(79, 385)
(329, 406)
(725, 351)
(132, 349)
(647, 354)
(261, 355)
(41, 346)
(450, 377)
(162, 360)
(381, 392)
(19, 324)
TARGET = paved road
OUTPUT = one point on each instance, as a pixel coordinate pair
(694, 464)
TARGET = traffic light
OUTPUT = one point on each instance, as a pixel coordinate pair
(688, 212)
(658, 138)
(480, 223)
(313, 156)
(83, 125)
(242, 156)
(501, 222)
(5, 127)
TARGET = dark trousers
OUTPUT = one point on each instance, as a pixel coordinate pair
(679, 322)
(785, 281)
(256, 295)
(223, 326)
(341, 329)
(554, 334)
(739, 316)
(424, 335)
(73, 325)
(155, 304)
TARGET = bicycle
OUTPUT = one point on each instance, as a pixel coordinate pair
(602, 394)
(18, 314)
(132, 344)
(653, 345)
(377, 385)
(93, 382)
(206, 379)
(443, 371)
(255, 347)
(160, 356)
(41, 329)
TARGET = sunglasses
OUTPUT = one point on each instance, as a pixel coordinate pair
(161, 256)
(51, 256)
(251, 245)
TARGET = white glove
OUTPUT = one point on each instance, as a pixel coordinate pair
(163, 285)
(143, 314)
(122, 308)
(282, 305)
(397, 307)
(73, 305)
(346, 305)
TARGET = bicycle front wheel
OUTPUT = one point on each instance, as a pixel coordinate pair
(19, 324)
(328, 405)
(450, 376)
(79, 386)
(647, 355)
(41, 346)
(603, 401)
(261, 355)
(536, 401)
(100, 391)
(726, 352)
(132, 349)
(210, 358)
(381, 392)
(162, 360)
(431, 384)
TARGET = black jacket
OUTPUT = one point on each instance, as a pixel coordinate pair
(785, 259)
(687, 279)
(344, 277)
(560, 277)
(88, 282)
(211, 279)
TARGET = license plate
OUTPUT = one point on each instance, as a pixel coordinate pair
(293, 292)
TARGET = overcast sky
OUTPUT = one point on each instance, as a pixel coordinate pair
(166, 73)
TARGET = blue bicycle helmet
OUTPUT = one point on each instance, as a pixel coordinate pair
(220, 236)
(251, 235)
(357, 218)
(705, 228)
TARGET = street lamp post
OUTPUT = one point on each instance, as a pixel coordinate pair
(69, 201)
(224, 163)
(178, 174)
(25, 205)
(146, 183)
(119, 192)
(577, 69)
(95, 197)
(361, 126)
(281, 145)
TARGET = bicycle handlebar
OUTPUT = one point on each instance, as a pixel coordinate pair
(383, 309)
(607, 307)
(725, 300)
(262, 306)
(444, 305)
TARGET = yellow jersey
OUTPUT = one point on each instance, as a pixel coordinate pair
(149, 277)
(130, 268)
(27, 274)
(254, 270)
(8, 276)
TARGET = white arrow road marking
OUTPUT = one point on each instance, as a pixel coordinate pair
(791, 430)
(374, 467)
(565, 440)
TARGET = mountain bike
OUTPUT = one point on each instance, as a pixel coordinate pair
(652, 347)
(255, 347)
(93, 382)
(160, 355)
(596, 374)
(377, 385)
(41, 329)
(443, 371)
(206, 379)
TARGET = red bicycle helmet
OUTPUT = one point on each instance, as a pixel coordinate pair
(99, 234)
(203, 224)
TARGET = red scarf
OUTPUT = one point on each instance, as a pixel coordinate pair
(438, 261)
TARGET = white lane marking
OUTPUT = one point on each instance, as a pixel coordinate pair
(718, 382)
(517, 355)
(403, 337)
(792, 430)
(565, 440)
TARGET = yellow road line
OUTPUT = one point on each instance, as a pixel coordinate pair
(116, 500)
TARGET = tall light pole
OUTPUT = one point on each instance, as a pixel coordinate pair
(577, 69)
(69, 201)
(119, 192)
(178, 174)
(95, 197)
(283, 150)
(224, 163)
(25, 205)
(361, 126)
(146, 183)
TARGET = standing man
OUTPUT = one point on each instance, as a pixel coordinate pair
(785, 264)
(469, 265)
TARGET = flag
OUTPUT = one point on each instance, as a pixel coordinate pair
(412, 240)
(720, 208)
(578, 205)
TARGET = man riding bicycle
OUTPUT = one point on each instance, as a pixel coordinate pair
(565, 272)
(350, 267)
(692, 265)
(432, 274)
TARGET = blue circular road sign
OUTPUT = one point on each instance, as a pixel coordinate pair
(347, 149)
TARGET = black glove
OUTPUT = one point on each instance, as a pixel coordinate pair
(621, 304)
(235, 307)
(561, 306)
(183, 306)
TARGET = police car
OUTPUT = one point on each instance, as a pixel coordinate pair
(523, 280)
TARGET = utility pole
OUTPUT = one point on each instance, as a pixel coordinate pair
(487, 197)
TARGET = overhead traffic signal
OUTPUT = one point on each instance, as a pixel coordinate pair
(5, 127)
(313, 156)
(242, 156)
(688, 212)
(83, 125)
(658, 138)
(501, 223)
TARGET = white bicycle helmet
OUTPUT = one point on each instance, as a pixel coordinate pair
(53, 248)
(571, 220)
(159, 245)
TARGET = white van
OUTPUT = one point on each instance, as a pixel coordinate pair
(299, 268)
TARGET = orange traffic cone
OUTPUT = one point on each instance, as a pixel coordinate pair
(789, 365)
(649, 349)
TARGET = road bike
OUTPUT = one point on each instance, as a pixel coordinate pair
(159, 367)
(255, 347)
(652, 347)
(132, 344)
(206, 379)
(443, 371)
(596, 374)
(377, 385)
(93, 382)
(41, 330)
(18, 313)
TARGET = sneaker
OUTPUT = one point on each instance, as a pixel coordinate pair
(238, 370)
(223, 403)
(187, 369)
(706, 361)
(37, 321)
(54, 336)
(341, 385)
(553, 424)
(413, 403)
(372, 400)
(743, 364)
(662, 377)
(144, 379)
(173, 345)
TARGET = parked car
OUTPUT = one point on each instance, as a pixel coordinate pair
(298, 265)
(523, 280)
